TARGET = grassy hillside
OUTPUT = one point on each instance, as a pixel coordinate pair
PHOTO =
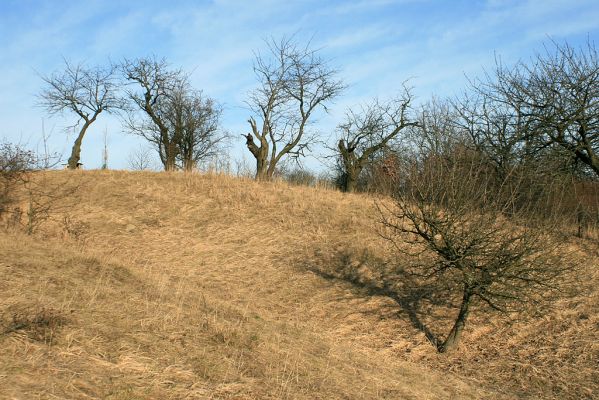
(156, 286)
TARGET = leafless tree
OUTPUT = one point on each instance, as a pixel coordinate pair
(494, 129)
(294, 82)
(28, 199)
(438, 132)
(368, 132)
(153, 84)
(452, 224)
(182, 123)
(140, 159)
(197, 118)
(84, 91)
(552, 101)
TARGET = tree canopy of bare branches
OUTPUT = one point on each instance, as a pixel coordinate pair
(294, 82)
(455, 226)
(197, 118)
(182, 123)
(368, 132)
(84, 91)
(153, 83)
(551, 102)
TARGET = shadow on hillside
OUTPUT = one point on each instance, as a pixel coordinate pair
(373, 277)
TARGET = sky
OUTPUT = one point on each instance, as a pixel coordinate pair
(375, 44)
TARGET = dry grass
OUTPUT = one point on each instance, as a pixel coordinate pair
(161, 286)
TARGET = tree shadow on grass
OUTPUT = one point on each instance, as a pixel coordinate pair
(371, 276)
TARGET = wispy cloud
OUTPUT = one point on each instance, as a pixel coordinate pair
(377, 44)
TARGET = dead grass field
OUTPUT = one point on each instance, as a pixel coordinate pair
(189, 286)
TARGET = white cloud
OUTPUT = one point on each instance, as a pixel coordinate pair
(376, 44)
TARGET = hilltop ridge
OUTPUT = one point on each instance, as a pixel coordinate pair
(172, 285)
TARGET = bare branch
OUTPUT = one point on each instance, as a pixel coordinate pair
(294, 82)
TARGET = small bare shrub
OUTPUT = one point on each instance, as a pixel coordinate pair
(456, 227)
(15, 165)
(300, 177)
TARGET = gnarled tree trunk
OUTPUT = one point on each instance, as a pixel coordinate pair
(263, 172)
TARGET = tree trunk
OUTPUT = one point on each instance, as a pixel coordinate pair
(170, 163)
(351, 181)
(76, 151)
(454, 335)
(263, 167)
(353, 168)
(260, 154)
(352, 165)
(188, 164)
(261, 170)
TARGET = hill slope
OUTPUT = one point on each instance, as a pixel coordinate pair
(199, 286)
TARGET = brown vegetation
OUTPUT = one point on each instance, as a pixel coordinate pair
(171, 285)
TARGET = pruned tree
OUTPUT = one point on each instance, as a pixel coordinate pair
(555, 98)
(366, 133)
(453, 225)
(83, 91)
(294, 83)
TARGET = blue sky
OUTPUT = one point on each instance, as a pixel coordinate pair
(376, 45)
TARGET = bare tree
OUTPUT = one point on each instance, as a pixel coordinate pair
(437, 133)
(197, 117)
(154, 84)
(140, 159)
(294, 83)
(368, 132)
(84, 91)
(454, 225)
(182, 123)
(497, 130)
(26, 197)
(555, 97)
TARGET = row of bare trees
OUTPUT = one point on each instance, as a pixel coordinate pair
(155, 102)
(547, 107)
(546, 111)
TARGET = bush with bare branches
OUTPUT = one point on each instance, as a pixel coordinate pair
(456, 226)
(15, 163)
